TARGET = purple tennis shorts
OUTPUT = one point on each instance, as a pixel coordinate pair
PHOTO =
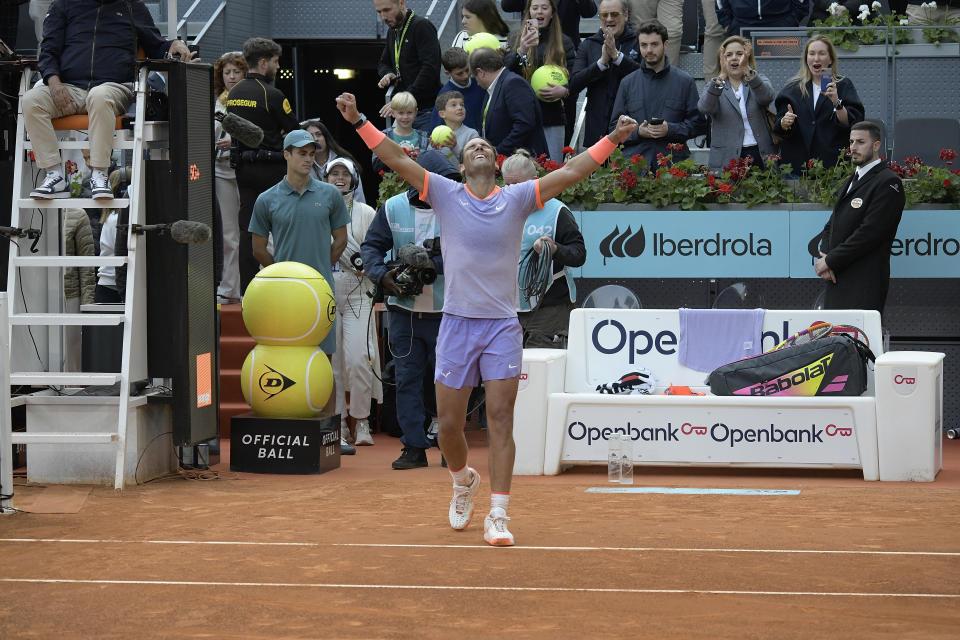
(468, 348)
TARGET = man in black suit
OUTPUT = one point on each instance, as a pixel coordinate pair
(511, 115)
(855, 243)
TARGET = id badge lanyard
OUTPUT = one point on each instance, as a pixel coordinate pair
(398, 44)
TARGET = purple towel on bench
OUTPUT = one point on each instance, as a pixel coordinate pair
(710, 338)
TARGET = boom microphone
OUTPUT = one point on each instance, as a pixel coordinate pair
(182, 231)
(246, 133)
(415, 256)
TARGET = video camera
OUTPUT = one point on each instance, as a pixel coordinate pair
(413, 268)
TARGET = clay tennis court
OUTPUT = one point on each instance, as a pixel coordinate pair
(366, 552)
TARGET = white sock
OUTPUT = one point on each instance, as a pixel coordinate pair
(57, 171)
(500, 500)
(463, 477)
(98, 173)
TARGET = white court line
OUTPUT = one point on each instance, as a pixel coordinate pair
(437, 587)
(485, 546)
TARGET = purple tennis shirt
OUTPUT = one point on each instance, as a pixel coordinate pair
(480, 238)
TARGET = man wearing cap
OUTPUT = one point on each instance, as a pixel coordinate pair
(303, 214)
(414, 320)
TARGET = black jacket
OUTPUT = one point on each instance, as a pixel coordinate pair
(857, 240)
(756, 12)
(419, 59)
(569, 12)
(89, 42)
(553, 114)
(513, 119)
(601, 85)
(816, 133)
(255, 99)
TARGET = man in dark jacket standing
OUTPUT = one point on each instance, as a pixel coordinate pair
(87, 60)
(734, 14)
(603, 60)
(411, 59)
(856, 241)
(663, 99)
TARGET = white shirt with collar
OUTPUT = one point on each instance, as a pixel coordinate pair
(862, 171)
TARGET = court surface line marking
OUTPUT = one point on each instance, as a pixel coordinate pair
(321, 585)
(480, 546)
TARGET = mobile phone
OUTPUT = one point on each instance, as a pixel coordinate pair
(656, 120)
(532, 24)
(825, 79)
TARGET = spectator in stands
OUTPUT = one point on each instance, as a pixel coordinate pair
(455, 61)
(554, 225)
(538, 42)
(480, 16)
(329, 149)
(107, 290)
(451, 109)
(404, 108)
(736, 101)
(79, 283)
(737, 14)
(603, 60)
(511, 115)
(945, 12)
(356, 362)
(414, 319)
(814, 115)
(569, 12)
(228, 70)
(83, 76)
(411, 57)
(669, 13)
(661, 97)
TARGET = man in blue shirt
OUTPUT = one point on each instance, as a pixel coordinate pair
(308, 218)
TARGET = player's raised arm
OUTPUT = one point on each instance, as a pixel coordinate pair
(386, 149)
(582, 165)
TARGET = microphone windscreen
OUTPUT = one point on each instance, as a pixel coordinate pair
(415, 256)
(246, 132)
(189, 232)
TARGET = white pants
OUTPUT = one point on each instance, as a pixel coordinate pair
(713, 36)
(229, 198)
(103, 103)
(351, 372)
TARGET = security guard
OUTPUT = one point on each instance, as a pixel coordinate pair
(257, 100)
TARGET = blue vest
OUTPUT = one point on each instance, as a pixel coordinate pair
(411, 225)
(543, 222)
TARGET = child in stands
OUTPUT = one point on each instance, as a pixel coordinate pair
(450, 107)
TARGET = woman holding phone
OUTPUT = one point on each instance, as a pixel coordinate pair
(736, 101)
(816, 108)
(538, 42)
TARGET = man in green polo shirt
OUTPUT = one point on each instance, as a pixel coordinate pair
(308, 219)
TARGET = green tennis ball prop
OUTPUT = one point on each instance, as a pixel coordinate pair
(286, 382)
(289, 304)
(480, 40)
(439, 134)
(543, 75)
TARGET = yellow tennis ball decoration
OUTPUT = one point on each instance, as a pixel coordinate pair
(480, 40)
(289, 304)
(286, 382)
(439, 134)
(543, 75)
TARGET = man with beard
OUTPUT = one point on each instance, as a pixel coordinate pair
(855, 243)
(256, 99)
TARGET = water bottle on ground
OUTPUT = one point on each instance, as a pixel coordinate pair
(626, 459)
(613, 458)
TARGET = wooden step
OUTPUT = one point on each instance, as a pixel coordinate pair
(227, 411)
(234, 350)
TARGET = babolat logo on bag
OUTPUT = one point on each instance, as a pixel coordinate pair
(834, 365)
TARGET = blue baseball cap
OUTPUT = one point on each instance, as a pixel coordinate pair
(298, 138)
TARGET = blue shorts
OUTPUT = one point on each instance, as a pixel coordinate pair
(471, 348)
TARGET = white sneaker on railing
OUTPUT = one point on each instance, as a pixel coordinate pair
(54, 185)
(100, 185)
(363, 433)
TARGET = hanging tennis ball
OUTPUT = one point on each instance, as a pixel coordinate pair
(288, 304)
(286, 382)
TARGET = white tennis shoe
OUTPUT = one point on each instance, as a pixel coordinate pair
(495, 530)
(461, 506)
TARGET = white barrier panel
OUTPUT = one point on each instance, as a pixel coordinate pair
(541, 375)
(910, 415)
(715, 431)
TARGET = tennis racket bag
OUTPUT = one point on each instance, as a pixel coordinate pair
(832, 366)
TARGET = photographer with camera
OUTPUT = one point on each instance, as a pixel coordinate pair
(413, 283)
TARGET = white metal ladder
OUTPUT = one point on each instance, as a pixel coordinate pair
(133, 319)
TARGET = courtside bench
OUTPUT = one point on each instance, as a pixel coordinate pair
(892, 432)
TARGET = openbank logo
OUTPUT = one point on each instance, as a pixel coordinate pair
(718, 432)
(632, 245)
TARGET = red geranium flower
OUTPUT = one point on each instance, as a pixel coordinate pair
(567, 151)
(726, 188)
(947, 155)
(946, 184)
(381, 173)
(636, 158)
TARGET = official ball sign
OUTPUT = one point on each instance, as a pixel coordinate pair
(284, 445)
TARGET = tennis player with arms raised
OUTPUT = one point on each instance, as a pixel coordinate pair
(480, 336)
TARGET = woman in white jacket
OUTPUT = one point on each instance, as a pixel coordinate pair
(356, 362)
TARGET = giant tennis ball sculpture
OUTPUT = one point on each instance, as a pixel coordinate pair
(543, 75)
(288, 304)
(480, 40)
(286, 382)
